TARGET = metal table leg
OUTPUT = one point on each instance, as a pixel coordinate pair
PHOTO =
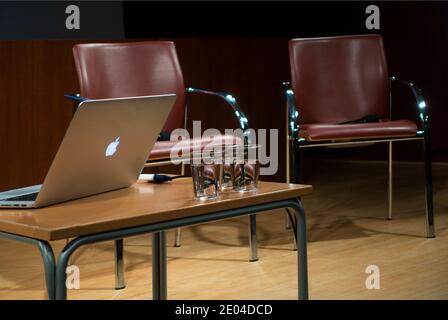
(302, 251)
(159, 266)
(253, 238)
(119, 265)
(159, 244)
(47, 257)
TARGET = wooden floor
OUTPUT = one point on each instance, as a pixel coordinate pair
(347, 231)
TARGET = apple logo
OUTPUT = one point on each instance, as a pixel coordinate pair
(112, 147)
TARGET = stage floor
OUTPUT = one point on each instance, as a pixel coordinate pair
(347, 232)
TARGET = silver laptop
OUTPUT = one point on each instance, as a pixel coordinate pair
(105, 148)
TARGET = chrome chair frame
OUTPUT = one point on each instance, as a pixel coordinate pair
(295, 143)
(244, 125)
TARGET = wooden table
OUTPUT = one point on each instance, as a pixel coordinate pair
(143, 208)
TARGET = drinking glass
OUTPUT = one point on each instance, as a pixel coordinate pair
(228, 168)
(206, 173)
(246, 167)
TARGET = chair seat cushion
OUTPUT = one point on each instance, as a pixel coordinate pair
(382, 129)
(162, 149)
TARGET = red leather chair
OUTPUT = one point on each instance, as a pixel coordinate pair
(111, 70)
(340, 94)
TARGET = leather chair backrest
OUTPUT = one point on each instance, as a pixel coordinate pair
(112, 70)
(339, 79)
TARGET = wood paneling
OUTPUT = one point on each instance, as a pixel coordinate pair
(251, 69)
(35, 74)
(33, 112)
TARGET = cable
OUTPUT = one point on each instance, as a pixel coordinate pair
(159, 178)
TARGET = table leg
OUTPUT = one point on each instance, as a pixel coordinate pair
(159, 256)
(47, 258)
(61, 276)
(119, 265)
(49, 268)
(302, 251)
(253, 238)
(159, 266)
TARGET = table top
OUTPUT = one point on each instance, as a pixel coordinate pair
(141, 204)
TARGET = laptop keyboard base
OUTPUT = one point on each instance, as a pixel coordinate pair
(25, 197)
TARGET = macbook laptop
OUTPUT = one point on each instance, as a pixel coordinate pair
(105, 148)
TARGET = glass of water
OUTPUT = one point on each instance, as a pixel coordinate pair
(206, 173)
(246, 167)
(228, 168)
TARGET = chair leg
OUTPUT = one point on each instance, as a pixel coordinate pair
(389, 210)
(296, 171)
(288, 177)
(177, 238)
(296, 179)
(430, 232)
(296, 162)
(119, 265)
(253, 238)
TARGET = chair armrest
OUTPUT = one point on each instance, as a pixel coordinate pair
(419, 100)
(293, 113)
(231, 101)
(75, 97)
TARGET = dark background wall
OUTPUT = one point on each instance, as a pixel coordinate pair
(236, 47)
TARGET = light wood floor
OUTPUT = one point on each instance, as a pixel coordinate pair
(347, 231)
